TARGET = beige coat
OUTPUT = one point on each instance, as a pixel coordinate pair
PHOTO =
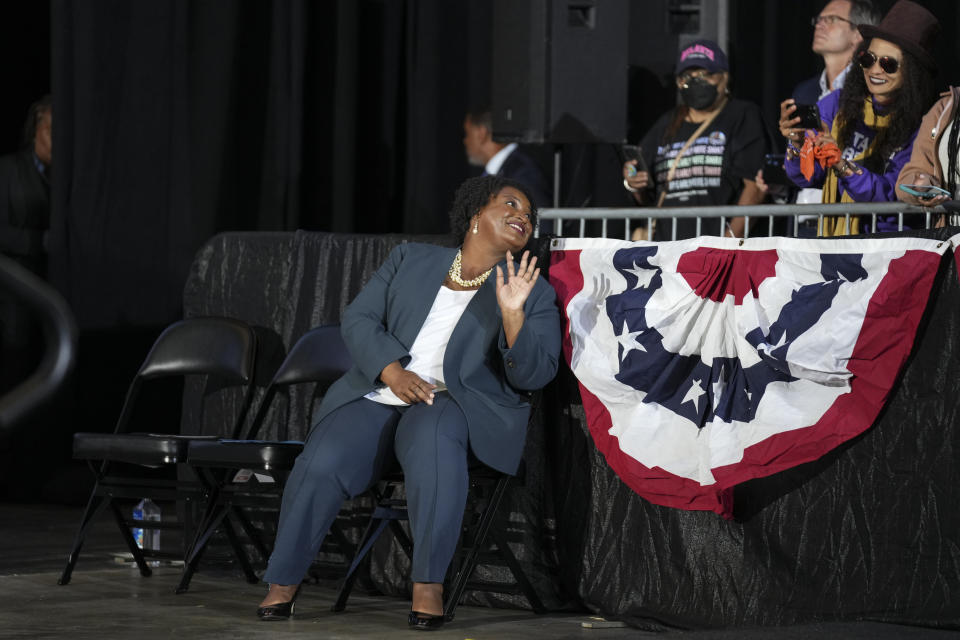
(924, 158)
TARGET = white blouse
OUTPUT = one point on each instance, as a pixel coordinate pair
(426, 353)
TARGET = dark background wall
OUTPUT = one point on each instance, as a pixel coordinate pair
(178, 119)
(25, 49)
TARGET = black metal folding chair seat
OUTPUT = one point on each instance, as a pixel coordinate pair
(222, 351)
(144, 449)
(245, 454)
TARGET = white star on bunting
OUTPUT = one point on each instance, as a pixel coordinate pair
(628, 340)
(693, 395)
(643, 275)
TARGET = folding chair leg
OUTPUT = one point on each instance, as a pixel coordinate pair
(189, 568)
(137, 553)
(518, 574)
(470, 561)
(402, 538)
(250, 531)
(208, 525)
(374, 529)
(127, 536)
(238, 551)
(95, 505)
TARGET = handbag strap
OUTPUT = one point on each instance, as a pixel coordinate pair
(683, 149)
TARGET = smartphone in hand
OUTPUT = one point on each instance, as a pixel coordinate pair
(924, 191)
(809, 116)
(633, 152)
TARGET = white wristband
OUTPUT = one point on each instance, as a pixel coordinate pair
(628, 187)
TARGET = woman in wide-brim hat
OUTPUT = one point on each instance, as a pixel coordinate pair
(868, 128)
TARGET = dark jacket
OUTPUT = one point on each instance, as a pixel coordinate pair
(488, 381)
(24, 210)
(525, 170)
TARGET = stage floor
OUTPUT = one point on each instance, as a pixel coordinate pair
(108, 599)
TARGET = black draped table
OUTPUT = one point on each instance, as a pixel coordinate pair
(870, 531)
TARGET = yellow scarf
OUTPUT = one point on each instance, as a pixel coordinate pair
(837, 225)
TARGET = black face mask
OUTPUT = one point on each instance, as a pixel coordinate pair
(698, 94)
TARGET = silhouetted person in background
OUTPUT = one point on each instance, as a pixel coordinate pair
(25, 191)
(499, 159)
(24, 220)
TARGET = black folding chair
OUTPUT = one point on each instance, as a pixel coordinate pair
(222, 350)
(318, 357)
(481, 543)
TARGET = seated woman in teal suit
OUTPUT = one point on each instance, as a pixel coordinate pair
(444, 359)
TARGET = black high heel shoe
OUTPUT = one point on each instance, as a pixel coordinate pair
(279, 611)
(424, 621)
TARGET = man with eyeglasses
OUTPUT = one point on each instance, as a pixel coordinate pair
(835, 38)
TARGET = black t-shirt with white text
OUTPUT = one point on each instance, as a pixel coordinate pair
(712, 170)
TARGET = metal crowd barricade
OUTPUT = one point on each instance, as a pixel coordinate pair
(769, 211)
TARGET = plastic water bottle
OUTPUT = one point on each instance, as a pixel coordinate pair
(147, 539)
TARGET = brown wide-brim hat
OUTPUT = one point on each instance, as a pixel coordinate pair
(910, 27)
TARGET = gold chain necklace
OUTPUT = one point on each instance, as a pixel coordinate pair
(455, 270)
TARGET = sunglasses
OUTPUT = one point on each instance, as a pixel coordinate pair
(867, 59)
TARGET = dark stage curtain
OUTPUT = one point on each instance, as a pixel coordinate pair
(180, 119)
(177, 119)
(868, 532)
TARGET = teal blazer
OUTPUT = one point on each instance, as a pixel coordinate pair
(490, 382)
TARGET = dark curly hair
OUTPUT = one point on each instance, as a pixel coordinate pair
(910, 102)
(474, 194)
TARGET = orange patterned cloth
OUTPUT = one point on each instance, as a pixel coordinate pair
(827, 154)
